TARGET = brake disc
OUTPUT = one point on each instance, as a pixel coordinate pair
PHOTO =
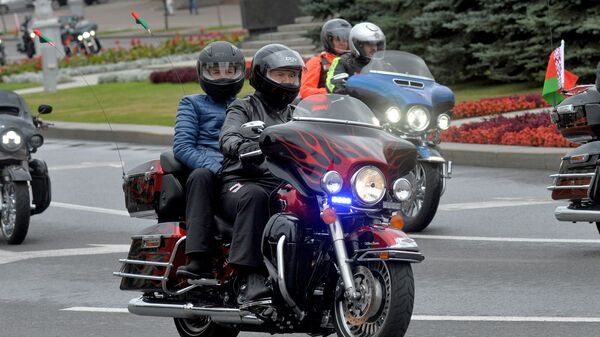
(358, 312)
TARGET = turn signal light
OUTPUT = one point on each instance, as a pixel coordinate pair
(397, 221)
(328, 215)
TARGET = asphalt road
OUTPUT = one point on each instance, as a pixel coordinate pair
(497, 263)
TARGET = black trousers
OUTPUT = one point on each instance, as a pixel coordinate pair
(201, 196)
(247, 206)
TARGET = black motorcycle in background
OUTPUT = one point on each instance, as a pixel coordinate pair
(79, 36)
(24, 183)
(27, 44)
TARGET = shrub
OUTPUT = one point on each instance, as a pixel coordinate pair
(490, 106)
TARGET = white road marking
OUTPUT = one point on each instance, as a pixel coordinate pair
(84, 165)
(10, 257)
(499, 239)
(535, 319)
(506, 319)
(498, 203)
(94, 309)
(89, 208)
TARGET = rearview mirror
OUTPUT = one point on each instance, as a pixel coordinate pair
(340, 78)
(44, 109)
(253, 129)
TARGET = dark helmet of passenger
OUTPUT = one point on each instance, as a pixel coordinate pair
(221, 68)
(363, 35)
(335, 29)
(268, 65)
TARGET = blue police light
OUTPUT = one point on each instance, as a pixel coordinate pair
(341, 200)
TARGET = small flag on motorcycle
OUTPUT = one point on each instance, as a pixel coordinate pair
(557, 77)
(140, 21)
(43, 38)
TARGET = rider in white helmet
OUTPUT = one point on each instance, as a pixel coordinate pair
(365, 40)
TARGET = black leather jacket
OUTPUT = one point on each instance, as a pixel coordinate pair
(251, 108)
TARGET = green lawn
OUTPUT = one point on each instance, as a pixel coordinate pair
(475, 91)
(17, 86)
(132, 103)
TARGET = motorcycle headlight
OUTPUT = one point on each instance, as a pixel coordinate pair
(32, 35)
(332, 182)
(417, 118)
(368, 185)
(393, 115)
(11, 140)
(86, 35)
(443, 122)
(80, 38)
(93, 33)
(402, 189)
(36, 141)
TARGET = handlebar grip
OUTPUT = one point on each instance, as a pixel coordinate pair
(251, 154)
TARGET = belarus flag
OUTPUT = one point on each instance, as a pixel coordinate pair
(557, 78)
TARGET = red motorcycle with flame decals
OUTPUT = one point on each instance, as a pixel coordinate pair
(337, 257)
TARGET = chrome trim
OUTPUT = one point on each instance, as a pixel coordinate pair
(142, 307)
(337, 121)
(395, 255)
(281, 279)
(353, 186)
(339, 247)
(568, 187)
(446, 174)
(168, 271)
(564, 213)
(401, 74)
(409, 83)
(251, 154)
(573, 175)
(433, 159)
(144, 263)
(139, 276)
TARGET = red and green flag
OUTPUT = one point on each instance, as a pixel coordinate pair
(557, 78)
(43, 38)
(140, 21)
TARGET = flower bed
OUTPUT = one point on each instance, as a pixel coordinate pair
(525, 130)
(490, 106)
(174, 46)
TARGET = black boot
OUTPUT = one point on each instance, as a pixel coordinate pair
(255, 289)
(198, 267)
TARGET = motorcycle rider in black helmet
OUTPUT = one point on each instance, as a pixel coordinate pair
(247, 183)
(221, 69)
(365, 40)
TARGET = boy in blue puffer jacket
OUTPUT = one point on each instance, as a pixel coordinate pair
(221, 69)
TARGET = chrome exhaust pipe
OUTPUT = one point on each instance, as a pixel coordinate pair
(564, 213)
(144, 307)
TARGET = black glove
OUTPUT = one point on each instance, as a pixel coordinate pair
(247, 148)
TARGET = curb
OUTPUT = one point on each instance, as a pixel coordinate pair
(499, 156)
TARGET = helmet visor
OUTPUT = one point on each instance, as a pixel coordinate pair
(367, 48)
(284, 67)
(222, 71)
(285, 76)
(338, 38)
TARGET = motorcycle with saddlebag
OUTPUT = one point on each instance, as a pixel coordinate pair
(19, 172)
(409, 103)
(337, 259)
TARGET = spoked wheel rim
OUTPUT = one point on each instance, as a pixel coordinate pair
(413, 206)
(196, 326)
(8, 218)
(368, 317)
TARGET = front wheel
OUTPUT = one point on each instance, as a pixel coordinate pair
(386, 303)
(421, 208)
(203, 327)
(16, 210)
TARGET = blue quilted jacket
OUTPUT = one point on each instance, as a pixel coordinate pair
(199, 120)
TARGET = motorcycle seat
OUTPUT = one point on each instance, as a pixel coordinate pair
(170, 164)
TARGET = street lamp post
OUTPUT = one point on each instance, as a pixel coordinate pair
(47, 23)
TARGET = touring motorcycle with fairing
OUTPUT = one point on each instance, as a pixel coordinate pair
(404, 95)
(578, 178)
(337, 258)
(24, 181)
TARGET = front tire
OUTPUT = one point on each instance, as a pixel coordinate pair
(421, 208)
(203, 327)
(385, 315)
(16, 210)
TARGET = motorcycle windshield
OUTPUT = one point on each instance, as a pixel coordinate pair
(398, 62)
(335, 108)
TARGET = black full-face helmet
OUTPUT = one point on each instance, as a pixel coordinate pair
(275, 57)
(335, 29)
(221, 68)
(366, 33)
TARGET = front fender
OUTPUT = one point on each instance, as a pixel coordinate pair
(383, 243)
(17, 173)
(429, 154)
